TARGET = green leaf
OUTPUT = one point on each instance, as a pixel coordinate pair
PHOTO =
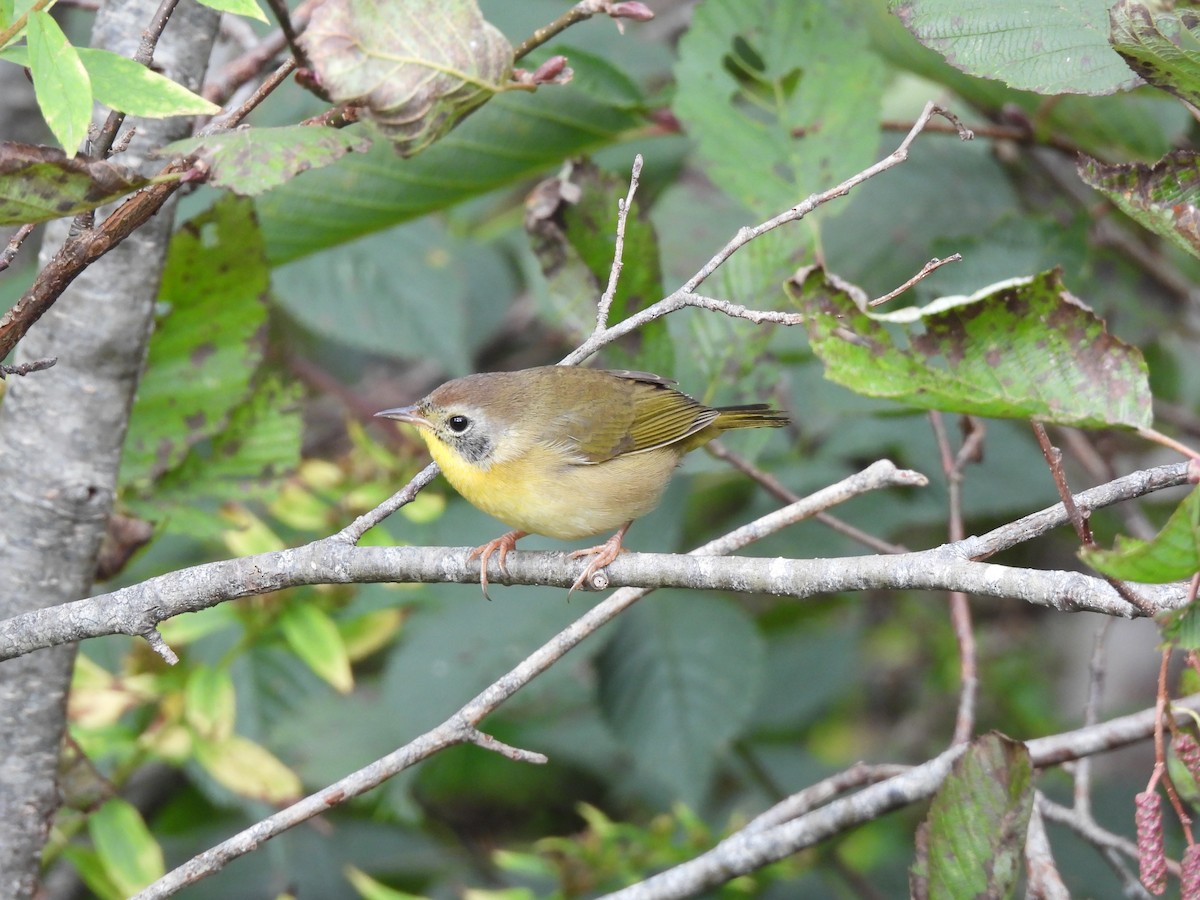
(1022, 349)
(781, 96)
(418, 66)
(1165, 197)
(60, 81)
(316, 640)
(1047, 46)
(42, 183)
(210, 702)
(131, 856)
(513, 138)
(1171, 555)
(248, 8)
(129, 87)
(1163, 46)
(248, 769)
(977, 821)
(678, 680)
(207, 346)
(249, 161)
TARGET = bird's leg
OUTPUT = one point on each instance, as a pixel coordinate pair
(602, 555)
(499, 546)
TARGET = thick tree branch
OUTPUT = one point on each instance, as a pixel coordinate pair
(135, 610)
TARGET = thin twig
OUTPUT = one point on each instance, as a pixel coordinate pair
(604, 307)
(580, 12)
(36, 365)
(14, 245)
(778, 490)
(926, 270)
(1091, 714)
(1079, 522)
(1167, 441)
(144, 55)
(686, 294)
(960, 610)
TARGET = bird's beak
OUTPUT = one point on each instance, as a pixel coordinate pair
(407, 414)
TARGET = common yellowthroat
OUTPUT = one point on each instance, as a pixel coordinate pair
(566, 452)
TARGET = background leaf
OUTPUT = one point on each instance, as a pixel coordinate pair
(677, 682)
(1048, 46)
(978, 819)
(208, 344)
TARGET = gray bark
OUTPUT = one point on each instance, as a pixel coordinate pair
(61, 433)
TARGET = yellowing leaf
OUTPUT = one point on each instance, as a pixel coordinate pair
(131, 856)
(315, 638)
(418, 66)
(210, 702)
(248, 769)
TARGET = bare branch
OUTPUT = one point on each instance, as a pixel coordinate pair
(926, 270)
(686, 295)
(614, 274)
(748, 850)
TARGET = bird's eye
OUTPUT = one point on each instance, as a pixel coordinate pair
(458, 424)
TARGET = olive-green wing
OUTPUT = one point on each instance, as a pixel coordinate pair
(638, 413)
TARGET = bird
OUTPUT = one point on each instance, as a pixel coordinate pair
(566, 452)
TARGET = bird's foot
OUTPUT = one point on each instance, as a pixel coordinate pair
(500, 546)
(601, 554)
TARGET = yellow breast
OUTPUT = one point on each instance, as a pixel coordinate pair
(542, 492)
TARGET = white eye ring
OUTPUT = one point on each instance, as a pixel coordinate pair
(458, 424)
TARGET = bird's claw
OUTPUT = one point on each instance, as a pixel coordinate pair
(500, 547)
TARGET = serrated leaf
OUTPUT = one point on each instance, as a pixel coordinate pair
(1162, 46)
(129, 87)
(513, 138)
(418, 66)
(249, 161)
(778, 96)
(1047, 46)
(60, 81)
(1171, 555)
(678, 680)
(130, 854)
(206, 348)
(977, 821)
(210, 702)
(1021, 349)
(42, 183)
(316, 640)
(248, 8)
(1164, 197)
(248, 769)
